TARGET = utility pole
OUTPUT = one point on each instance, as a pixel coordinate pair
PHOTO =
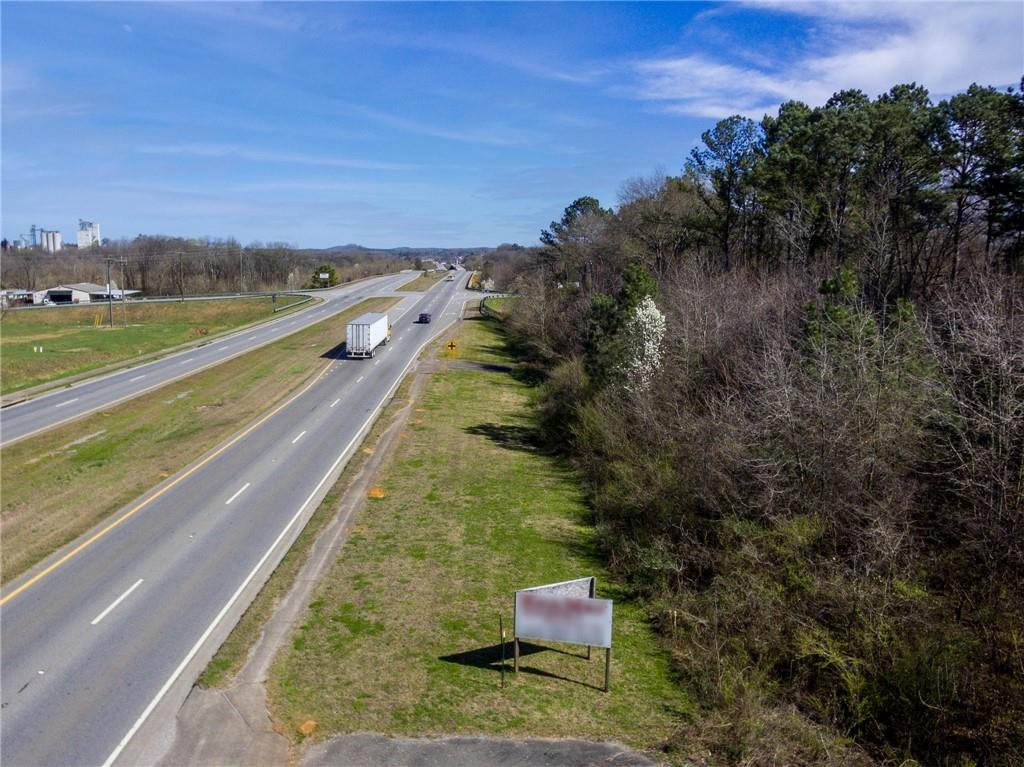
(124, 299)
(110, 298)
(110, 292)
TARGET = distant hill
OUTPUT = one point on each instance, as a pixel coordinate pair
(407, 252)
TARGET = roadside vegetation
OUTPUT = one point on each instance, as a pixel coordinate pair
(402, 636)
(425, 281)
(77, 339)
(792, 382)
(61, 483)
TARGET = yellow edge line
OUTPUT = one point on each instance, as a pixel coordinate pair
(80, 547)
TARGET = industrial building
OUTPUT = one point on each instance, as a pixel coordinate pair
(80, 293)
(88, 234)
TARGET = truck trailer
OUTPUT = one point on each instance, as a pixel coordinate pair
(365, 334)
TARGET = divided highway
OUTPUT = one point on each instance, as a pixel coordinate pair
(62, 405)
(101, 643)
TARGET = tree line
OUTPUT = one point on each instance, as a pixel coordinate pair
(158, 265)
(791, 379)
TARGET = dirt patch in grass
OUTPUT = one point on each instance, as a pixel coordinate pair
(402, 636)
(425, 281)
(77, 339)
(132, 447)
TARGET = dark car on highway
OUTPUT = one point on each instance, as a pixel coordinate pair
(425, 317)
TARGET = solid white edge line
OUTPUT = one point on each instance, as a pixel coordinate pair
(115, 603)
(65, 402)
(252, 574)
(240, 490)
(298, 437)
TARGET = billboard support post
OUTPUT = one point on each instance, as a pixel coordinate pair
(607, 668)
(501, 637)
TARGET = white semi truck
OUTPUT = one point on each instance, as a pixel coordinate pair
(365, 333)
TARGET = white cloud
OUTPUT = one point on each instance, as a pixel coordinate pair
(263, 155)
(870, 46)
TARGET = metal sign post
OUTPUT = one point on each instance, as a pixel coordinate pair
(501, 636)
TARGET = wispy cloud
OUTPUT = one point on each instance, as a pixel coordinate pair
(870, 46)
(234, 151)
(22, 112)
(17, 78)
(494, 135)
(275, 17)
(491, 48)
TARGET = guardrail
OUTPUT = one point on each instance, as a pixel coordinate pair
(484, 311)
(306, 300)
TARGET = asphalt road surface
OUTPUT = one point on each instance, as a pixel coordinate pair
(101, 642)
(62, 405)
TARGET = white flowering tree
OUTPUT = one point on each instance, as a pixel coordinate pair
(643, 348)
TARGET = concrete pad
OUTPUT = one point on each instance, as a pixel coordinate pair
(212, 731)
(370, 750)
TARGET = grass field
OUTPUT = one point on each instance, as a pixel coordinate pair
(402, 635)
(59, 484)
(77, 339)
(425, 281)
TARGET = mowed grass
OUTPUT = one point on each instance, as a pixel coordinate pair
(425, 281)
(77, 339)
(61, 483)
(402, 636)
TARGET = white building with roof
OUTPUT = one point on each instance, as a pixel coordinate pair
(80, 293)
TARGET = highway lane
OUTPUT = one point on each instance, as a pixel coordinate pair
(110, 641)
(62, 405)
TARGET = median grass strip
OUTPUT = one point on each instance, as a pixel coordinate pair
(59, 484)
(425, 281)
(401, 637)
(77, 339)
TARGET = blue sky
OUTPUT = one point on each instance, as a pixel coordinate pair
(395, 124)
